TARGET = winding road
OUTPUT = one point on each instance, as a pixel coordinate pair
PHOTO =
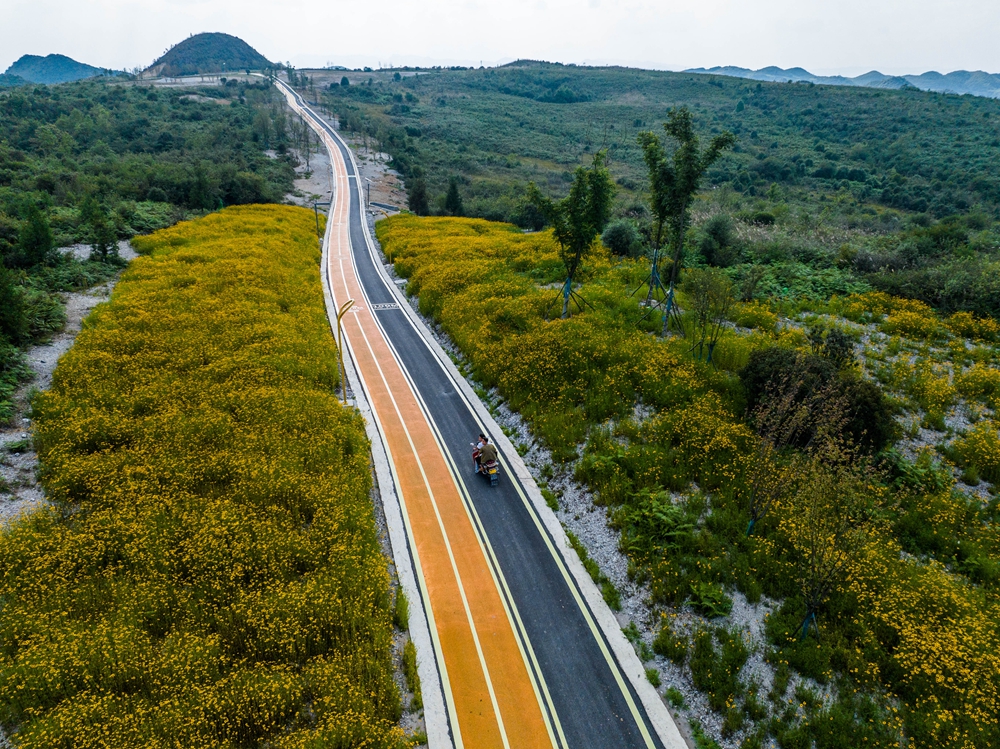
(516, 647)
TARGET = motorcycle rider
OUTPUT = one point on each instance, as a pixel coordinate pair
(487, 453)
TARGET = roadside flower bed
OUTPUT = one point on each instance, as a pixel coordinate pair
(210, 574)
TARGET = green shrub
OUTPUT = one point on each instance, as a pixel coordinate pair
(411, 675)
(669, 645)
(401, 610)
(709, 599)
(716, 672)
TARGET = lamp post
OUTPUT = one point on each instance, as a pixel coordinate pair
(340, 347)
(316, 211)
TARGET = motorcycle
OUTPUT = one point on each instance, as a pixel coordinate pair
(490, 469)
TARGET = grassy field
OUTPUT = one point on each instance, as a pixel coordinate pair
(907, 616)
(208, 573)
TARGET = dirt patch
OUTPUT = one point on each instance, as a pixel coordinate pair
(209, 99)
(20, 492)
(313, 179)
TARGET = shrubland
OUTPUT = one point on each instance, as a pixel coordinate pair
(827, 189)
(208, 571)
(811, 467)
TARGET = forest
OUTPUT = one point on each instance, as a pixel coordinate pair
(95, 162)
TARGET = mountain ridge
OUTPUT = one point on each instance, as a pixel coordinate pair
(52, 69)
(976, 83)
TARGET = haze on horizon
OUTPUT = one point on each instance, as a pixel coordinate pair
(845, 37)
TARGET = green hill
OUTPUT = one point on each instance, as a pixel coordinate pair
(209, 53)
(11, 80)
(52, 69)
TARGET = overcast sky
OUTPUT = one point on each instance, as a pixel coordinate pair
(823, 36)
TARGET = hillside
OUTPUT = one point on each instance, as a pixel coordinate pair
(52, 69)
(976, 83)
(11, 80)
(208, 53)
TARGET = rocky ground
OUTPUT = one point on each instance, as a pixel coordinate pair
(19, 489)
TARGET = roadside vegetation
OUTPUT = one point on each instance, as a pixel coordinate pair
(96, 162)
(826, 190)
(830, 465)
(209, 572)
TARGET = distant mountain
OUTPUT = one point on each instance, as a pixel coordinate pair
(976, 83)
(208, 53)
(6, 81)
(53, 69)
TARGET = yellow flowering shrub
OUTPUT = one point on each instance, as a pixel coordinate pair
(210, 573)
(980, 381)
(965, 324)
(928, 385)
(945, 647)
(980, 446)
(757, 315)
(918, 325)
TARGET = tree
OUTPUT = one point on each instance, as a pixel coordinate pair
(453, 200)
(578, 218)
(785, 418)
(13, 324)
(345, 82)
(673, 181)
(35, 239)
(831, 518)
(101, 233)
(868, 421)
(711, 294)
(418, 198)
(622, 238)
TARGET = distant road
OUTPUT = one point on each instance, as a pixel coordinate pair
(526, 652)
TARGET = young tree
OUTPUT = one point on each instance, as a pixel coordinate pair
(673, 181)
(711, 294)
(35, 239)
(13, 325)
(100, 232)
(578, 218)
(453, 200)
(786, 417)
(831, 518)
(418, 198)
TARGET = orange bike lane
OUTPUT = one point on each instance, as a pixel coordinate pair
(488, 687)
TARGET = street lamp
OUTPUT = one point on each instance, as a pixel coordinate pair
(340, 347)
(316, 211)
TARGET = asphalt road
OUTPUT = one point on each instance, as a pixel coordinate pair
(588, 697)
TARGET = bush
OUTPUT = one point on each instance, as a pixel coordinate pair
(622, 238)
(870, 422)
(718, 243)
(716, 672)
